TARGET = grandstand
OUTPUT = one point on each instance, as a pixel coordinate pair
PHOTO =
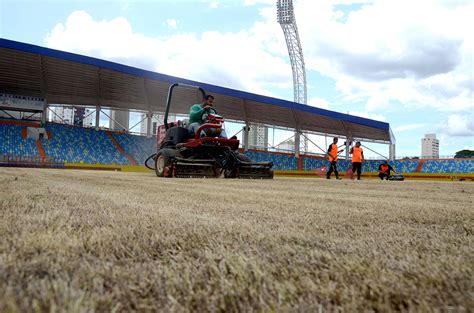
(73, 145)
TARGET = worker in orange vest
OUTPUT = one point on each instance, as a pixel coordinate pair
(332, 156)
(357, 159)
(384, 170)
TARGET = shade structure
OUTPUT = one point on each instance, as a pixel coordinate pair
(66, 78)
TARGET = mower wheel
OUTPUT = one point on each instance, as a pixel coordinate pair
(163, 161)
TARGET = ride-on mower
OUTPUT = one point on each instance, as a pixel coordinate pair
(180, 154)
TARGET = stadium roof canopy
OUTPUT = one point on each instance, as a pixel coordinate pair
(66, 78)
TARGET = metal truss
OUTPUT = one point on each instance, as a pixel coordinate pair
(286, 19)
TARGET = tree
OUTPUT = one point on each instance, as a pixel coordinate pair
(464, 154)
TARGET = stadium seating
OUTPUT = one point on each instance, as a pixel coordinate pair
(12, 143)
(81, 145)
(139, 147)
(280, 161)
(290, 162)
(404, 166)
(448, 166)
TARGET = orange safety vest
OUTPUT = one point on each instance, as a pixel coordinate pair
(333, 153)
(356, 154)
(384, 168)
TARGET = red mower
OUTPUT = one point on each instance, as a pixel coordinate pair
(181, 155)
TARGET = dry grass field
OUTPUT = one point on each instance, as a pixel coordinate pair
(84, 241)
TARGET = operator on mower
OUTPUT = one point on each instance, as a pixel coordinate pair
(198, 116)
(384, 170)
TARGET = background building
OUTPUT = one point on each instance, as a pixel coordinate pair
(157, 120)
(73, 116)
(286, 146)
(429, 147)
(119, 120)
(89, 119)
(258, 137)
(63, 115)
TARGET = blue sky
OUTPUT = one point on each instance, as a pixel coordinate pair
(387, 60)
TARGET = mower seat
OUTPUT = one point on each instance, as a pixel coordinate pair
(177, 134)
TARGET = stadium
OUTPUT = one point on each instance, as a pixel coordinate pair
(86, 226)
(32, 72)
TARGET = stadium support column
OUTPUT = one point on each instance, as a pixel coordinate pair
(246, 137)
(44, 116)
(348, 146)
(149, 116)
(391, 147)
(392, 152)
(297, 143)
(97, 116)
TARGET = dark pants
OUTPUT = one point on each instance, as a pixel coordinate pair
(357, 166)
(332, 167)
(384, 175)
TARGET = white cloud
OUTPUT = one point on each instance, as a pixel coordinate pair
(237, 60)
(373, 56)
(406, 127)
(171, 23)
(319, 103)
(458, 126)
(386, 54)
(254, 2)
(373, 116)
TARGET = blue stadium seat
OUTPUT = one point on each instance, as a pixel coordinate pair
(12, 143)
(310, 164)
(75, 145)
(280, 161)
(448, 166)
(405, 166)
(139, 147)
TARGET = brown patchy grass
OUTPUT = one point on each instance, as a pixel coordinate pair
(83, 241)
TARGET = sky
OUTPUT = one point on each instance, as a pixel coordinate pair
(408, 63)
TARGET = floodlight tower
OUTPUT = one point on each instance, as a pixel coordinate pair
(286, 19)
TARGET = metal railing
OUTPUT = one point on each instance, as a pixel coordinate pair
(12, 160)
